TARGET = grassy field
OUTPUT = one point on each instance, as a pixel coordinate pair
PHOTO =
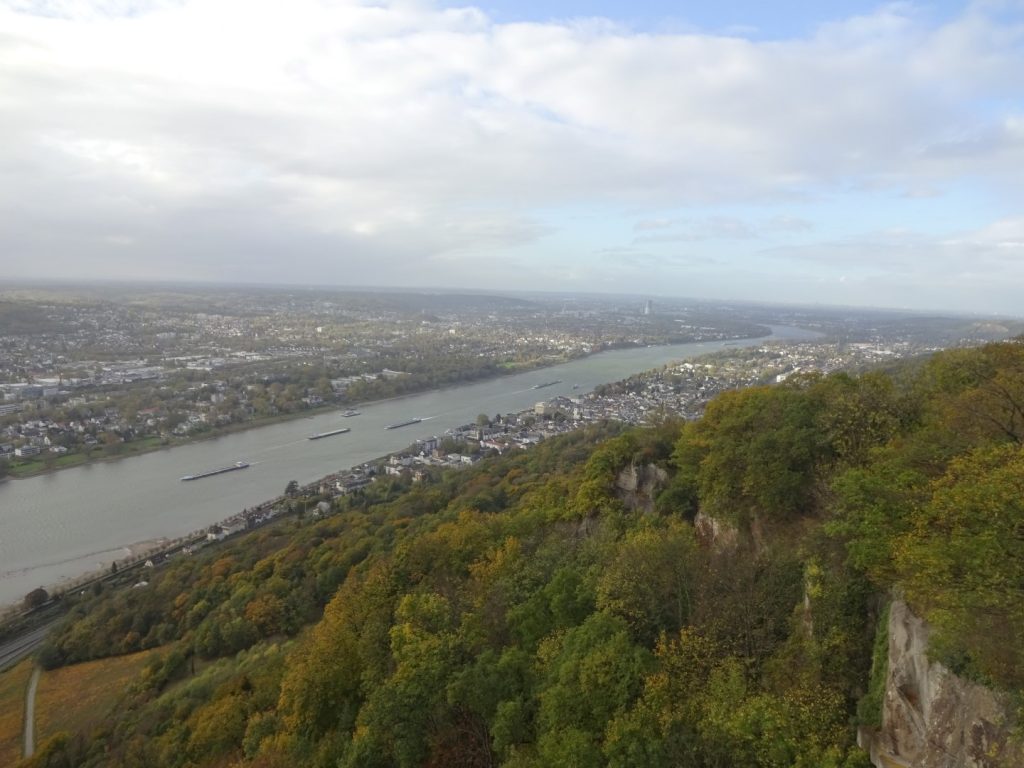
(13, 683)
(77, 698)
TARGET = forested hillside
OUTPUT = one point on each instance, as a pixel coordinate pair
(544, 610)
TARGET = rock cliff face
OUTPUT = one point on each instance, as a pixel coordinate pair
(638, 485)
(712, 532)
(932, 718)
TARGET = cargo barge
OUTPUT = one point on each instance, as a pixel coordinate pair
(218, 471)
(403, 424)
(547, 384)
(329, 433)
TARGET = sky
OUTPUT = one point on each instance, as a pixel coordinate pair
(846, 152)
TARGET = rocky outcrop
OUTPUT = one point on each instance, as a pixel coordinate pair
(638, 486)
(931, 717)
(712, 532)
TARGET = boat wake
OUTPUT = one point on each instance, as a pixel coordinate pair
(277, 447)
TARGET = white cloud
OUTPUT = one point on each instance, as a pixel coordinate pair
(980, 269)
(1000, 239)
(326, 134)
(664, 230)
(693, 230)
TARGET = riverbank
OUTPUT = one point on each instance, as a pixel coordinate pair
(63, 524)
(152, 444)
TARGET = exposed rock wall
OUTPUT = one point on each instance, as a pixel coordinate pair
(932, 718)
(638, 485)
(712, 532)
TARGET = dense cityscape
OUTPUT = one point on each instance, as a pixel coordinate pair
(94, 373)
(86, 374)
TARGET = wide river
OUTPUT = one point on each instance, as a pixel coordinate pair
(57, 526)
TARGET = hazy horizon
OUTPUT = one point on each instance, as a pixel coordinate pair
(856, 155)
(441, 290)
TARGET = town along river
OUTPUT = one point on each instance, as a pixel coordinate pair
(57, 526)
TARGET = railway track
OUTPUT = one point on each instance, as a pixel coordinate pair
(17, 648)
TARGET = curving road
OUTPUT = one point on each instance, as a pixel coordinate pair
(30, 714)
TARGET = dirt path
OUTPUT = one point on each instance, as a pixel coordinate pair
(30, 714)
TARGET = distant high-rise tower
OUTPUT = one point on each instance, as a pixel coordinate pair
(648, 307)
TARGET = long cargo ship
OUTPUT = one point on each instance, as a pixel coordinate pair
(318, 435)
(403, 424)
(218, 471)
(547, 384)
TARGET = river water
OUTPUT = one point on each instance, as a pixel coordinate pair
(57, 526)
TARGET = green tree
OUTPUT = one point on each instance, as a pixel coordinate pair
(591, 673)
(405, 710)
(858, 414)
(962, 562)
(754, 454)
(650, 580)
(35, 598)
